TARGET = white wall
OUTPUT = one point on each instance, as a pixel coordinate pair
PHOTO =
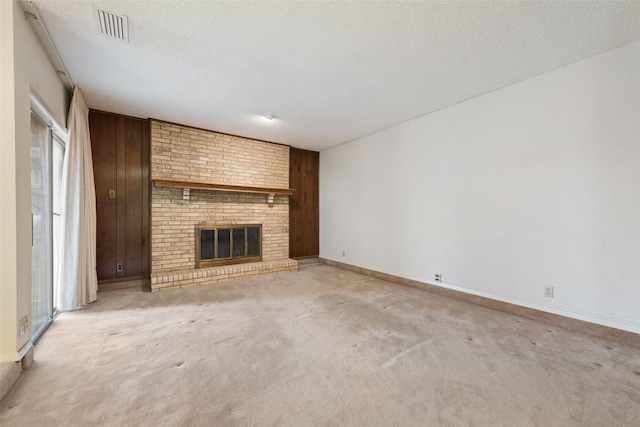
(8, 260)
(534, 184)
(25, 68)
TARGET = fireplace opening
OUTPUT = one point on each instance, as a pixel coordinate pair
(227, 244)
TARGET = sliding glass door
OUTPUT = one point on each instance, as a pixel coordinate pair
(42, 225)
(57, 157)
(47, 157)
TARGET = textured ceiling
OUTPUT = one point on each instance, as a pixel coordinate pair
(330, 71)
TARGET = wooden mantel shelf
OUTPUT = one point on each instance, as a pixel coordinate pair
(186, 186)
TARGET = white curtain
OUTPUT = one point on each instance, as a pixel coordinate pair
(78, 280)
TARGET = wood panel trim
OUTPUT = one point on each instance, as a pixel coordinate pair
(208, 186)
(304, 213)
(112, 285)
(103, 148)
(298, 258)
(121, 191)
(580, 326)
(146, 184)
(142, 119)
(121, 154)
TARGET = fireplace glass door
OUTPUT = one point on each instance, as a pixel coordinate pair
(222, 245)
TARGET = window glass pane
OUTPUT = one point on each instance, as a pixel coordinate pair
(253, 241)
(57, 229)
(224, 243)
(41, 252)
(206, 244)
(238, 242)
(58, 158)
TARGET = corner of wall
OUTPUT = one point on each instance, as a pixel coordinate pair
(9, 374)
(8, 235)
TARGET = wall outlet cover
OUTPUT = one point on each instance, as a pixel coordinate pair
(23, 326)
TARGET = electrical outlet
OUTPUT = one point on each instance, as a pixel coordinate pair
(548, 291)
(438, 277)
(119, 267)
(23, 326)
(343, 253)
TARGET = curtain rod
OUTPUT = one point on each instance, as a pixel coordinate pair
(32, 14)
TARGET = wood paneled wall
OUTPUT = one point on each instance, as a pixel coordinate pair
(304, 208)
(120, 147)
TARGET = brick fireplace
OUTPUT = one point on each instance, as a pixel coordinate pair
(183, 153)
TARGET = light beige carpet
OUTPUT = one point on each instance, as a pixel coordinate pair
(321, 346)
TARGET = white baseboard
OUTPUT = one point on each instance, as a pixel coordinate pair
(563, 309)
(593, 322)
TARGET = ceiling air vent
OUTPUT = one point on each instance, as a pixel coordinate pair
(112, 25)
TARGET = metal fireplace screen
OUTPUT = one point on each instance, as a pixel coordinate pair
(227, 244)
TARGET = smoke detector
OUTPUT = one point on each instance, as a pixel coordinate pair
(112, 25)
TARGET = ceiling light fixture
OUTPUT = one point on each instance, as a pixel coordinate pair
(269, 116)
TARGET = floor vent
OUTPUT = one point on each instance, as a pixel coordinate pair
(112, 25)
